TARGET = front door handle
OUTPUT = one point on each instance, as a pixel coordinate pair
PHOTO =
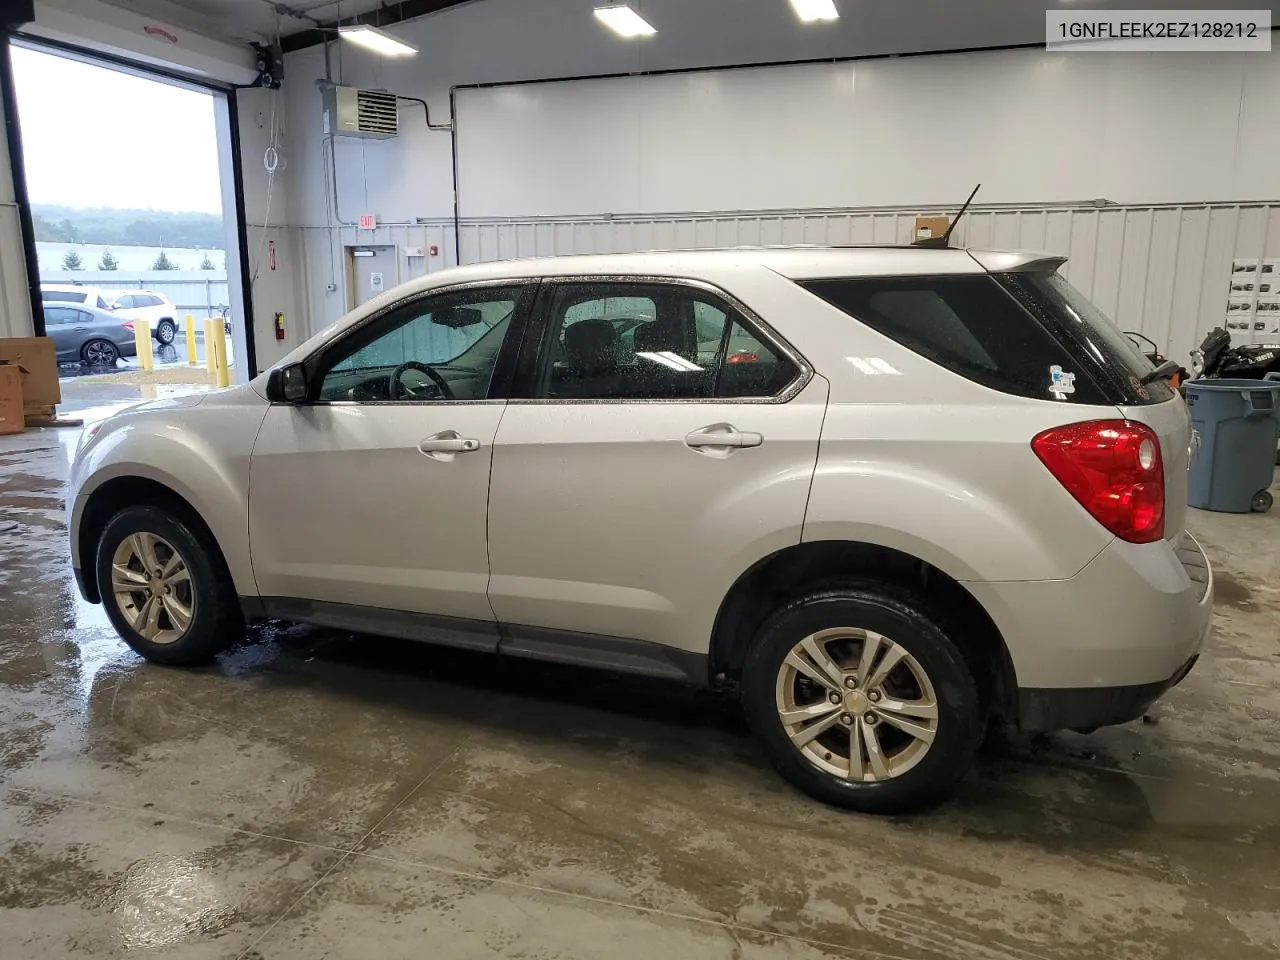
(446, 443)
(722, 436)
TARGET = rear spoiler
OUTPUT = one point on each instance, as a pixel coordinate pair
(997, 262)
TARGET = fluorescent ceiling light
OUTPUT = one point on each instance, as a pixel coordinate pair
(811, 10)
(624, 21)
(668, 359)
(371, 38)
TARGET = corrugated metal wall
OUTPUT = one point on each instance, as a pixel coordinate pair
(1161, 270)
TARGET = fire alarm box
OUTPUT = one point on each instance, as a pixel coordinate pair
(279, 326)
(434, 250)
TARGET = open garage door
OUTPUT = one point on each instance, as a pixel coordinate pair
(127, 179)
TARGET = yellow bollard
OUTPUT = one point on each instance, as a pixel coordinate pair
(191, 340)
(142, 334)
(210, 324)
(223, 372)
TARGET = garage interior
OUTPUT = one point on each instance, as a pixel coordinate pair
(321, 793)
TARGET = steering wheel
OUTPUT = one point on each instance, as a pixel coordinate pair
(401, 392)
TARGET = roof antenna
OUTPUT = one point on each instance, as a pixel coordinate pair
(944, 240)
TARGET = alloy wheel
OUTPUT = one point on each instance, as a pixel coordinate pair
(99, 353)
(166, 332)
(856, 704)
(152, 586)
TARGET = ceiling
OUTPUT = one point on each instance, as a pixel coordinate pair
(258, 20)
(691, 32)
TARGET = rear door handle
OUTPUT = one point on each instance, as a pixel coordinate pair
(446, 443)
(723, 436)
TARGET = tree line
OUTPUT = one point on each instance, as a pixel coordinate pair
(72, 260)
(132, 228)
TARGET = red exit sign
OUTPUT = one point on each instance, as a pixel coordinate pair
(368, 221)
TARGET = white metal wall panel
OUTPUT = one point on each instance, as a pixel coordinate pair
(1161, 270)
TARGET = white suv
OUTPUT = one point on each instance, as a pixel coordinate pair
(75, 293)
(153, 307)
(903, 493)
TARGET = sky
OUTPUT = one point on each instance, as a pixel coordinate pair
(95, 137)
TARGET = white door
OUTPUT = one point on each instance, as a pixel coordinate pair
(374, 492)
(666, 447)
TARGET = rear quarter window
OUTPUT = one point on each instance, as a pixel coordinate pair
(968, 325)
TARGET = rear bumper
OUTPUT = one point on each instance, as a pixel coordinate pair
(1100, 647)
(1087, 708)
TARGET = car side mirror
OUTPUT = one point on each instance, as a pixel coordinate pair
(288, 384)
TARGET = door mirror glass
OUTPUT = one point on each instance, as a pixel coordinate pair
(290, 384)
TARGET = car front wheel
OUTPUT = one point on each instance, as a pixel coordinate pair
(165, 588)
(166, 330)
(861, 700)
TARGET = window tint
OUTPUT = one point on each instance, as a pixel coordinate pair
(968, 325)
(652, 342)
(62, 296)
(452, 340)
(150, 300)
(1117, 358)
(103, 303)
(55, 316)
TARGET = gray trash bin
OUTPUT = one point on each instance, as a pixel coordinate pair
(1236, 424)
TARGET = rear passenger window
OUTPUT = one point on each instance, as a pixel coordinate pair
(653, 342)
(968, 325)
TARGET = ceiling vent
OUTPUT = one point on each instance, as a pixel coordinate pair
(361, 113)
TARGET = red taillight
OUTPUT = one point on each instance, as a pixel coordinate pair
(743, 356)
(128, 324)
(1114, 468)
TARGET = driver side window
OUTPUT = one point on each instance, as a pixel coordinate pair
(440, 348)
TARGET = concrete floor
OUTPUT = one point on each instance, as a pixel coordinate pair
(317, 794)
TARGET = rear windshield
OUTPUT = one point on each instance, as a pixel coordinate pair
(1094, 337)
(61, 296)
(971, 326)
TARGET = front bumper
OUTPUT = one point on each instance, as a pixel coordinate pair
(1100, 647)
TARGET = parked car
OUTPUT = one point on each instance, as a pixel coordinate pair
(96, 338)
(944, 491)
(75, 293)
(153, 307)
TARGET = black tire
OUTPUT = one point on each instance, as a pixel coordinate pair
(166, 330)
(216, 620)
(1261, 501)
(99, 353)
(908, 621)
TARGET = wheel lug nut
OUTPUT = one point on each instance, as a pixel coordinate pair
(846, 719)
(874, 696)
(834, 698)
(871, 719)
(850, 682)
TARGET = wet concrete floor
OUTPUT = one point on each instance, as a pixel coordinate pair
(318, 794)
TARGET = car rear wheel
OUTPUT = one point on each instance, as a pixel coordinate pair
(99, 353)
(861, 700)
(166, 330)
(165, 588)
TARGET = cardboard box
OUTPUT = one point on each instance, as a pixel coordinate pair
(928, 227)
(11, 417)
(38, 356)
